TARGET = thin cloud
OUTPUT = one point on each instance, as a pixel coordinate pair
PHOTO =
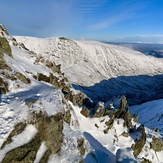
(142, 38)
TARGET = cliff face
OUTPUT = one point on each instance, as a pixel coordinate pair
(44, 119)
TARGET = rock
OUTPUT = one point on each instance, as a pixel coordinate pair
(99, 110)
(146, 161)
(3, 29)
(50, 129)
(26, 153)
(80, 146)
(76, 99)
(17, 130)
(109, 123)
(123, 112)
(3, 86)
(85, 111)
(67, 117)
(157, 144)
(5, 47)
(140, 142)
(22, 78)
(42, 77)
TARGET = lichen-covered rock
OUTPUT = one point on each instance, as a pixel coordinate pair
(50, 129)
(22, 78)
(67, 117)
(109, 123)
(80, 146)
(157, 144)
(3, 29)
(140, 142)
(5, 47)
(3, 86)
(42, 77)
(85, 112)
(76, 99)
(99, 110)
(25, 154)
(123, 112)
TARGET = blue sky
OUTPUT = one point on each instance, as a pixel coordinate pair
(105, 20)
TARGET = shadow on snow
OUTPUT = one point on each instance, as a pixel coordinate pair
(137, 89)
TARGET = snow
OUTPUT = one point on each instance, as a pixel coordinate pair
(40, 152)
(19, 140)
(86, 62)
(150, 114)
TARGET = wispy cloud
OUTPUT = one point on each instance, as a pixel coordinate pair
(141, 38)
(117, 14)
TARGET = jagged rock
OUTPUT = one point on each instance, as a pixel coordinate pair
(67, 117)
(66, 89)
(80, 146)
(123, 112)
(22, 78)
(25, 154)
(42, 77)
(109, 123)
(3, 86)
(50, 129)
(3, 29)
(99, 110)
(146, 161)
(157, 144)
(139, 144)
(85, 111)
(76, 99)
(17, 130)
(5, 47)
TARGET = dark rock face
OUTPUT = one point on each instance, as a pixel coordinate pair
(3, 86)
(140, 142)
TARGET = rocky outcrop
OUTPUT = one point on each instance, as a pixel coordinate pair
(3, 86)
(49, 131)
(140, 141)
(26, 153)
(22, 78)
(5, 47)
(157, 144)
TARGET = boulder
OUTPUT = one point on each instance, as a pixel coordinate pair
(157, 144)
(22, 78)
(85, 112)
(140, 141)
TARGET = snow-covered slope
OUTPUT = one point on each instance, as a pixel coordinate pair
(86, 63)
(43, 119)
(103, 71)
